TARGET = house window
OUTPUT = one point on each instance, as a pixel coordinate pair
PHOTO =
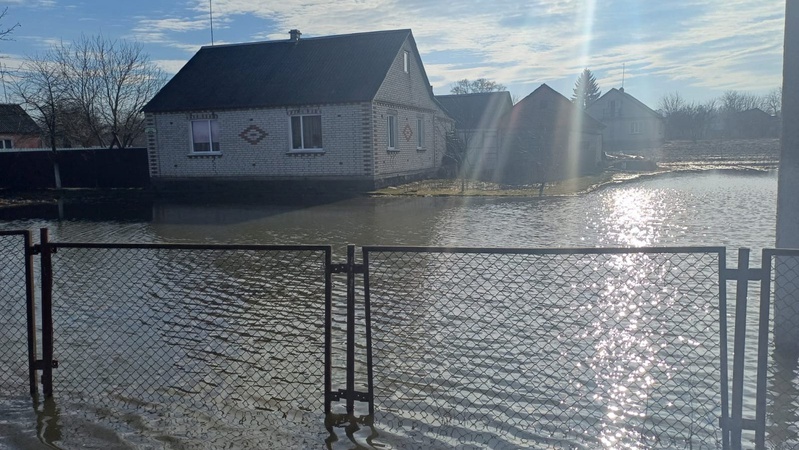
(204, 136)
(613, 108)
(635, 127)
(406, 62)
(6, 143)
(391, 127)
(419, 133)
(306, 132)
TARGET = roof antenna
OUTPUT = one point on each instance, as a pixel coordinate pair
(211, 16)
(3, 79)
(622, 76)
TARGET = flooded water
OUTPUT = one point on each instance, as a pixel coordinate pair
(715, 208)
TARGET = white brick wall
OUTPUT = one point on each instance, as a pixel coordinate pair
(407, 96)
(272, 157)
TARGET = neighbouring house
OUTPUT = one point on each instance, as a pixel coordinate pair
(753, 124)
(356, 110)
(630, 126)
(477, 117)
(545, 137)
(17, 129)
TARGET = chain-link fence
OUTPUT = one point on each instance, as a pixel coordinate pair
(779, 392)
(14, 291)
(194, 338)
(548, 348)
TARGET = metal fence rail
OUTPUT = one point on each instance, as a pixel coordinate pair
(231, 331)
(524, 348)
(17, 323)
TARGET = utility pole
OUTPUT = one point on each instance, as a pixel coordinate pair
(786, 302)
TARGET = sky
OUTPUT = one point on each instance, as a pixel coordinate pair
(698, 48)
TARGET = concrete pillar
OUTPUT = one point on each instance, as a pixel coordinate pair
(786, 308)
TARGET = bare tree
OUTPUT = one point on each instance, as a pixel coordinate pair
(479, 85)
(671, 103)
(772, 102)
(734, 101)
(686, 120)
(110, 81)
(6, 31)
(41, 89)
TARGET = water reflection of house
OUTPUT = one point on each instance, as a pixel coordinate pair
(17, 129)
(354, 109)
(546, 137)
(630, 126)
(477, 118)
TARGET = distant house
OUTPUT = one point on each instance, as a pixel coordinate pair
(17, 129)
(630, 126)
(477, 117)
(546, 137)
(355, 108)
(753, 124)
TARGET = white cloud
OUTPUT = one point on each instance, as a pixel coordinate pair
(170, 66)
(700, 43)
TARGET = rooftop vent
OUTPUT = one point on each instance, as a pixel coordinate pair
(295, 35)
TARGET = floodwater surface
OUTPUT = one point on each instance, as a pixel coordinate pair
(435, 405)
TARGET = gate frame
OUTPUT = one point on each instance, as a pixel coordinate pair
(47, 248)
(30, 307)
(726, 425)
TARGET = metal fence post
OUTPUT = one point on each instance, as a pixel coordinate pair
(368, 319)
(351, 329)
(328, 330)
(739, 346)
(47, 314)
(30, 312)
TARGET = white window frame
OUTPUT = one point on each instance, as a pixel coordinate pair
(635, 127)
(406, 61)
(419, 133)
(6, 143)
(210, 150)
(303, 148)
(391, 132)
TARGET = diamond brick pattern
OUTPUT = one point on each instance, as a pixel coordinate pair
(253, 134)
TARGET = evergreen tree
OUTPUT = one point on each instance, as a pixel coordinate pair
(586, 89)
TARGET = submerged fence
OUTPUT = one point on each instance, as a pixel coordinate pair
(440, 347)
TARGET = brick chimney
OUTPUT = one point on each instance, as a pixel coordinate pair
(294, 35)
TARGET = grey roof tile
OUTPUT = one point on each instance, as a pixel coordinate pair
(331, 69)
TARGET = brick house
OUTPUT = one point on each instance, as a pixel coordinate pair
(17, 129)
(353, 109)
(545, 137)
(477, 117)
(630, 125)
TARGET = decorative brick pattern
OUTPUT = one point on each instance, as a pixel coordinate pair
(253, 134)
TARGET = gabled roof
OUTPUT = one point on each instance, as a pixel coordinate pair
(330, 69)
(755, 112)
(14, 119)
(547, 108)
(627, 97)
(478, 110)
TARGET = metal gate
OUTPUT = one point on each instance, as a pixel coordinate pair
(444, 345)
